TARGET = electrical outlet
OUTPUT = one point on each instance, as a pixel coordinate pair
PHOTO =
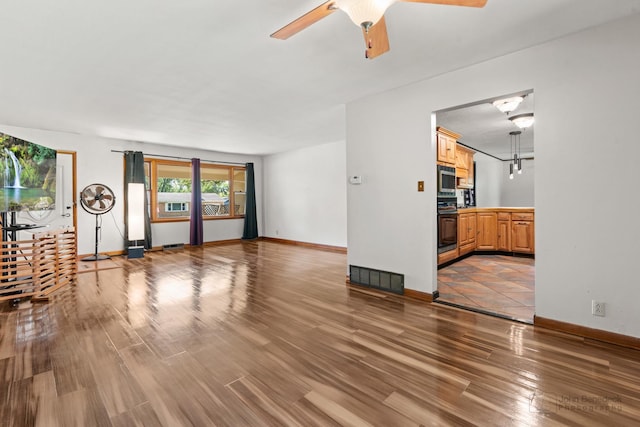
(597, 308)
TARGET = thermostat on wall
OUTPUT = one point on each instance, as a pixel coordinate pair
(355, 179)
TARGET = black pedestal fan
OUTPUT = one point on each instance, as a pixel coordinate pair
(97, 199)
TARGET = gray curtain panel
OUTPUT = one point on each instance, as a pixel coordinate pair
(196, 226)
(250, 217)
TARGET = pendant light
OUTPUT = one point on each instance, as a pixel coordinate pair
(515, 160)
(511, 155)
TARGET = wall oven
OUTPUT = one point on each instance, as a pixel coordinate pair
(447, 225)
(446, 181)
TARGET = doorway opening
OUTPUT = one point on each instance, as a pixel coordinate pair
(491, 269)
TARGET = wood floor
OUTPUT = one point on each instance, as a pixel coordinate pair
(266, 334)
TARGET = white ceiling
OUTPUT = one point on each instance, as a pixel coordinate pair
(206, 74)
(483, 127)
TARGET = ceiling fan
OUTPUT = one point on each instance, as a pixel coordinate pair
(367, 14)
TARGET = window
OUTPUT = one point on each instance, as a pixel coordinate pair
(147, 175)
(223, 190)
(215, 185)
(239, 190)
(176, 207)
(172, 189)
(147, 185)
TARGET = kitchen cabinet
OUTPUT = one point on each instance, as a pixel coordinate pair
(463, 157)
(464, 166)
(447, 256)
(522, 233)
(446, 142)
(466, 233)
(504, 231)
(487, 237)
(493, 229)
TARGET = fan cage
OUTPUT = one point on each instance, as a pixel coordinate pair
(97, 199)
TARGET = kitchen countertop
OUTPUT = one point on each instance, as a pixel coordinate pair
(500, 209)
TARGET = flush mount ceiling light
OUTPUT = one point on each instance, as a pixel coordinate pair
(523, 121)
(507, 105)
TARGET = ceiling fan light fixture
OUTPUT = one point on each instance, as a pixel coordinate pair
(507, 105)
(364, 13)
(523, 121)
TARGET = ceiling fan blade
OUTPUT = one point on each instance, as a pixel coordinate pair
(469, 3)
(88, 193)
(107, 197)
(99, 190)
(91, 202)
(376, 39)
(102, 204)
(325, 9)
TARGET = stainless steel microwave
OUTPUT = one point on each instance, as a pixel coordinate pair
(446, 181)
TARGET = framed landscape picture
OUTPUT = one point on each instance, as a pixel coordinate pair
(27, 175)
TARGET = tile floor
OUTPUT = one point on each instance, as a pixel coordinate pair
(496, 284)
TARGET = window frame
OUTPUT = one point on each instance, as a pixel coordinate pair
(153, 180)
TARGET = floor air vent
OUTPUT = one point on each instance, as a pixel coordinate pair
(173, 246)
(383, 280)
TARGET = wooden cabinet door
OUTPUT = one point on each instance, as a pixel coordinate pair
(467, 229)
(466, 233)
(473, 229)
(462, 158)
(522, 233)
(487, 231)
(463, 229)
(464, 166)
(442, 148)
(451, 151)
(446, 141)
(504, 235)
(446, 149)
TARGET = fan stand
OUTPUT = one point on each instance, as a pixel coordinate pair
(96, 256)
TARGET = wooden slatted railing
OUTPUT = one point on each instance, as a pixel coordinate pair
(37, 267)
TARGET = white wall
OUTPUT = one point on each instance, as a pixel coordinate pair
(519, 191)
(97, 164)
(494, 188)
(305, 194)
(586, 107)
(489, 181)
